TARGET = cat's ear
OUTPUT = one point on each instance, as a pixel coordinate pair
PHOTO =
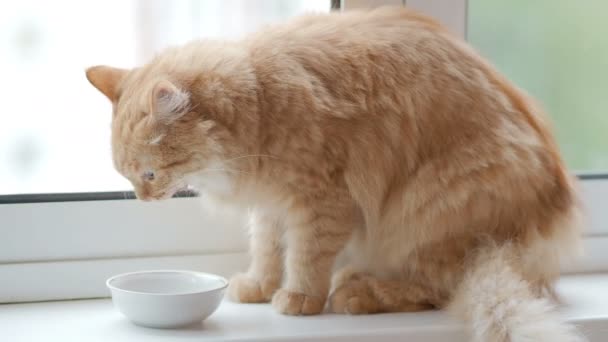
(106, 79)
(168, 102)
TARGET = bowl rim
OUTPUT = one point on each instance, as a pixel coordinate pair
(223, 281)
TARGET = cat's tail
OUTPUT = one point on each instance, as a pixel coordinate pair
(501, 306)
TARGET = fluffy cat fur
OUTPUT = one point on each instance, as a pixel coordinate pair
(376, 138)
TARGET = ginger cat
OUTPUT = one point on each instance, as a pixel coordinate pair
(376, 136)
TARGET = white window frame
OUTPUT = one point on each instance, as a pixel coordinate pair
(64, 247)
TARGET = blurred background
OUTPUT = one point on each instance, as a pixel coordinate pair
(557, 50)
(55, 127)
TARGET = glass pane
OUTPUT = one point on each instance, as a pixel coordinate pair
(55, 131)
(558, 51)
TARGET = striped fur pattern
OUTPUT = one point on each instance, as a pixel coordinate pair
(371, 146)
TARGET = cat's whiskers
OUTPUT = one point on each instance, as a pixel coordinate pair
(229, 170)
(249, 156)
(232, 170)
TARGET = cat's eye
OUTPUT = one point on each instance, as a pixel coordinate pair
(148, 176)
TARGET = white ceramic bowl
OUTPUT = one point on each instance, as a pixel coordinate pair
(167, 299)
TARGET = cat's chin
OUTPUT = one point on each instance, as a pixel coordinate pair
(162, 197)
(173, 191)
(167, 194)
(186, 191)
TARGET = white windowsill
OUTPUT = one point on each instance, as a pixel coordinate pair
(97, 320)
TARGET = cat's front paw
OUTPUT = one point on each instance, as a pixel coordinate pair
(246, 289)
(294, 303)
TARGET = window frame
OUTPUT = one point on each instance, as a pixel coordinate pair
(96, 235)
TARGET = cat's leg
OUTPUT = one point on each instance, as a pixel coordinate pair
(265, 273)
(314, 238)
(361, 293)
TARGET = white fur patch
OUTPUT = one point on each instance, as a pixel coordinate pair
(215, 179)
(156, 140)
(172, 101)
(500, 306)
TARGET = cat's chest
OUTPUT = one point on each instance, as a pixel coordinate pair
(242, 188)
(227, 184)
(215, 180)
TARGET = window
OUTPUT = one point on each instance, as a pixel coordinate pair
(55, 139)
(55, 131)
(557, 51)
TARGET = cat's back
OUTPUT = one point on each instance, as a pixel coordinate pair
(346, 29)
(429, 93)
(346, 58)
(317, 39)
